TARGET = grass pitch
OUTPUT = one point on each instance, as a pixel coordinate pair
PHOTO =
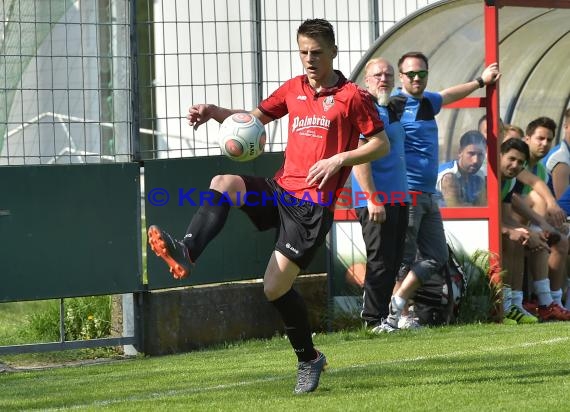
(458, 368)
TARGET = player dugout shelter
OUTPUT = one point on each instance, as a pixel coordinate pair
(530, 40)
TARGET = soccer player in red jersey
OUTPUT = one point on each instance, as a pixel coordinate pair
(327, 114)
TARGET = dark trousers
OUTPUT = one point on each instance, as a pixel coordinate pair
(384, 250)
(425, 250)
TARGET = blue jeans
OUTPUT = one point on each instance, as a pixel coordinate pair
(425, 251)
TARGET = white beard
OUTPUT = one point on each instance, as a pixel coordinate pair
(383, 98)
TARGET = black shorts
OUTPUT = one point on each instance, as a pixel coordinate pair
(301, 226)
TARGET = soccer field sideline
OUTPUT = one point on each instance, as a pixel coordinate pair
(254, 384)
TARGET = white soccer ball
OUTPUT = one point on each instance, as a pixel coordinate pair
(242, 137)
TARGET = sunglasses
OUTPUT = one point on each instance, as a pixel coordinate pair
(412, 75)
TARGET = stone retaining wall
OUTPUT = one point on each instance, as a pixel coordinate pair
(185, 319)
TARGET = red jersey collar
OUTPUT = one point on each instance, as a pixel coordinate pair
(325, 91)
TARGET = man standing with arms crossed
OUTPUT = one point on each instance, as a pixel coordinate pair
(383, 218)
(417, 109)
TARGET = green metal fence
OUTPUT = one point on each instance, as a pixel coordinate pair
(93, 95)
(69, 231)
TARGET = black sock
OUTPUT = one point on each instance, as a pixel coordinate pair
(206, 224)
(293, 311)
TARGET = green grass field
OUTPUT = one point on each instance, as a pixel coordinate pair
(12, 317)
(460, 368)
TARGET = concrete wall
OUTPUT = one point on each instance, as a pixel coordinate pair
(185, 319)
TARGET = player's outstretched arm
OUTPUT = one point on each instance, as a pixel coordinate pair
(201, 113)
(490, 75)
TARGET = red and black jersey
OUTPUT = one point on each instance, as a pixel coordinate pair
(320, 125)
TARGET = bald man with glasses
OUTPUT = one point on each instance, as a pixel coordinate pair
(380, 199)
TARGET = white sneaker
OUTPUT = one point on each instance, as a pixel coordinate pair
(408, 322)
(384, 327)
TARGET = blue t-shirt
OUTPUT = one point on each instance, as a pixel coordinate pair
(558, 154)
(564, 201)
(422, 141)
(471, 186)
(388, 172)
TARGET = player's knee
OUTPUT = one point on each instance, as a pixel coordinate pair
(226, 183)
(219, 182)
(271, 292)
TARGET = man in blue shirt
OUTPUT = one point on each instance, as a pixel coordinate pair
(380, 198)
(461, 182)
(557, 163)
(425, 252)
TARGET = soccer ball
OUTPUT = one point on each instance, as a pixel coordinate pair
(242, 137)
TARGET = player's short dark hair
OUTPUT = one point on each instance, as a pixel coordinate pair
(516, 144)
(542, 121)
(317, 28)
(415, 54)
(471, 137)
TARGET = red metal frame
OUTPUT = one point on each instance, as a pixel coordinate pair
(492, 211)
(491, 15)
(550, 4)
(467, 103)
(345, 214)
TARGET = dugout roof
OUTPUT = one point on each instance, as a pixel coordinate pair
(534, 45)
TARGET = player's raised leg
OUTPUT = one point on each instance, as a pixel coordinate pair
(205, 225)
(172, 251)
